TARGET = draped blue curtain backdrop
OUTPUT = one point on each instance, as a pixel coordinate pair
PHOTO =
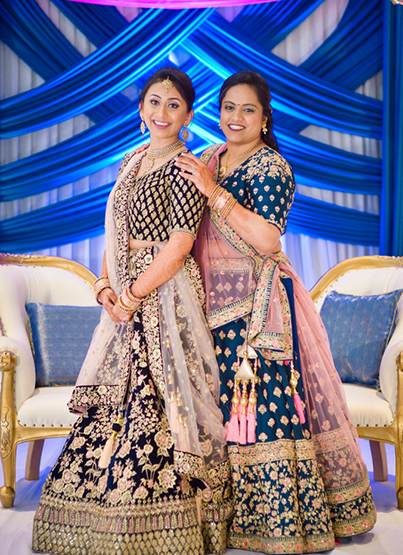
(201, 42)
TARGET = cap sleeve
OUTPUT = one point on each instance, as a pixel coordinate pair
(186, 207)
(271, 188)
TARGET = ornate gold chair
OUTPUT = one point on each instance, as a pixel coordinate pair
(29, 413)
(378, 415)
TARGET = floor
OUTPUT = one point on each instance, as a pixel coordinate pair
(385, 539)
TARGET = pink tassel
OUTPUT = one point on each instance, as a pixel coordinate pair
(251, 424)
(242, 430)
(298, 406)
(109, 448)
(107, 452)
(233, 428)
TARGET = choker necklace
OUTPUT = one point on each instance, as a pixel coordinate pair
(223, 169)
(154, 154)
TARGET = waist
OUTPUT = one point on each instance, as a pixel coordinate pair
(136, 244)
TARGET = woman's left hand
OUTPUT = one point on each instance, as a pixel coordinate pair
(197, 172)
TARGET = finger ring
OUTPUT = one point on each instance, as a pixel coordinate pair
(193, 169)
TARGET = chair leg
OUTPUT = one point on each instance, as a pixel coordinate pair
(7, 492)
(399, 477)
(379, 461)
(34, 459)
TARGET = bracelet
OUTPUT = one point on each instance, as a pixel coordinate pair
(216, 192)
(221, 201)
(102, 278)
(98, 291)
(99, 285)
(127, 301)
(125, 308)
(132, 297)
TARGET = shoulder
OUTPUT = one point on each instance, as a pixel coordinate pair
(207, 155)
(269, 162)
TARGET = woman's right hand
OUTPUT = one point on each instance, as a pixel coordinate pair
(108, 300)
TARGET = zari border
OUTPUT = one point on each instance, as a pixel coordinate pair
(261, 453)
(143, 516)
(166, 526)
(229, 313)
(286, 544)
(85, 396)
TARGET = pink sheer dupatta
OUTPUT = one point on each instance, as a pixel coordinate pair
(333, 432)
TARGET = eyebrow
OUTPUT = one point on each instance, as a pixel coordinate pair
(247, 104)
(171, 98)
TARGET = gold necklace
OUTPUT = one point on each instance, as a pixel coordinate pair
(154, 154)
(223, 169)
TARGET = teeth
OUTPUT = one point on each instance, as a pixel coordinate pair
(160, 122)
(236, 127)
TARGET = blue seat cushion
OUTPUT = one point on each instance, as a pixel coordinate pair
(359, 329)
(60, 338)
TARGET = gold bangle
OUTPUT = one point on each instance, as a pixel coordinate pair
(99, 280)
(98, 291)
(127, 302)
(228, 207)
(125, 308)
(216, 192)
(133, 297)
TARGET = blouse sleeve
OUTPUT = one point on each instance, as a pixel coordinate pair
(270, 188)
(186, 207)
(125, 161)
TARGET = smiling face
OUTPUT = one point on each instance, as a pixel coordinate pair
(242, 115)
(164, 112)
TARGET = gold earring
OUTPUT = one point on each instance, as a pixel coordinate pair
(142, 127)
(264, 129)
(185, 134)
(219, 125)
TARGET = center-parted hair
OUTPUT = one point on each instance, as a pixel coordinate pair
(181, 81)
(262, 90)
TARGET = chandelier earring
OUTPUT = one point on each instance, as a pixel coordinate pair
(185, 134)
(264, 128)
(142, 127)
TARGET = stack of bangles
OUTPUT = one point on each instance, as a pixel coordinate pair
(99, 285)
(221, 201)
(128, 302)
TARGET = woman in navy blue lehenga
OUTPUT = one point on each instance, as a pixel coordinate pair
(148, 449)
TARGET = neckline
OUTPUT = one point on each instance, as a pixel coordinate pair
(159, 167)
(237, 167)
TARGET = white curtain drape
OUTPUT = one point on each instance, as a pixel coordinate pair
(310, 257)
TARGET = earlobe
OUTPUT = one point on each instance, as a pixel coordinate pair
(189, 118)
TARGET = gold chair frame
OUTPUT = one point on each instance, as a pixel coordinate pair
(11, 432)
(389, 434)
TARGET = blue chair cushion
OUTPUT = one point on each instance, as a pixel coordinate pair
(60, 338)
(359, 329)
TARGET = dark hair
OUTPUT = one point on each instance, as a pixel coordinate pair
(181, 81)
(261, 88)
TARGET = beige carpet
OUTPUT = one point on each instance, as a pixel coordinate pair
(385, 539)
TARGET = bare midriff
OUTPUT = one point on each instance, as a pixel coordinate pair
(135, 244)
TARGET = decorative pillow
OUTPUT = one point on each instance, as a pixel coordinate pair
(359, 329)
(61, 336)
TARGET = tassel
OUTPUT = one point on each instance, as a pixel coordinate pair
(297, 398)
(243, 415)
(252, 415)
(109, 447)
(298, 406)
(107, 453)
(233, 428)
(242, 430)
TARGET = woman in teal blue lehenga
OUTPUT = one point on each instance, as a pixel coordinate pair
(299, 480)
